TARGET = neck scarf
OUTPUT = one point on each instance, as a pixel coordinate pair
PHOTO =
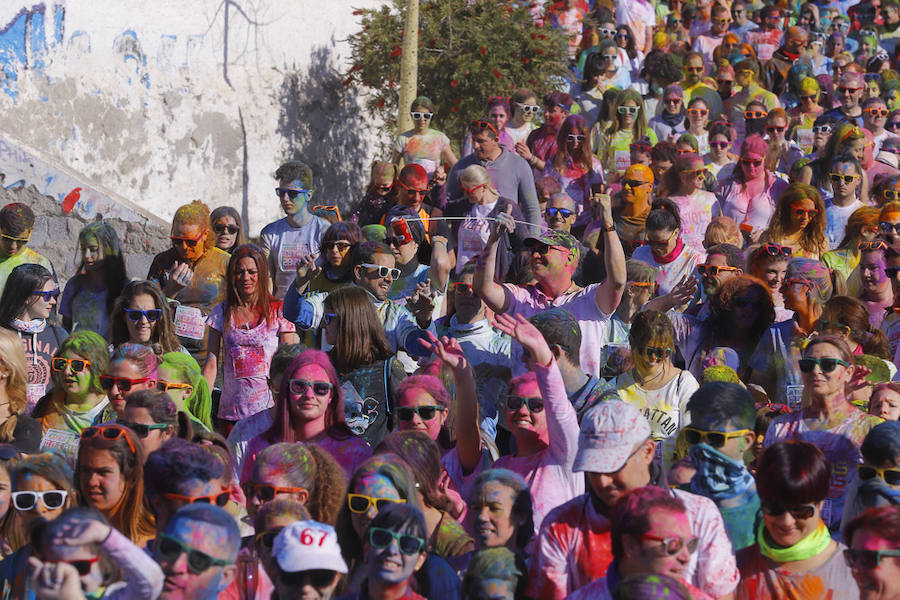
(670, 119)
(32, 326)
(675, 253)
(718, 477)
(810, 546)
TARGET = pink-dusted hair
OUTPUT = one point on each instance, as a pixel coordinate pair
(282, 429)
(431, 384)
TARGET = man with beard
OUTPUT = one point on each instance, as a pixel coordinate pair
(849, 93)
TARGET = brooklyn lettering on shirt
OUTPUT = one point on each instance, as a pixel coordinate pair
(662, 420)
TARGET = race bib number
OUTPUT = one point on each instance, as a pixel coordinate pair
(622, 159)
(248, 361)
(62, 442)
(190, 322)
(794, 396)
(291, 254)
(805, 138)
(33, 393)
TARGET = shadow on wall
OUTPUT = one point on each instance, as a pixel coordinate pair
(323, 125)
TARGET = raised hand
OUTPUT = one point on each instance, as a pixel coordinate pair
(448, 350)
(82, 532)
(54, 581)
(504, 222)
(520, 329)
(307, 270)
(179, 278)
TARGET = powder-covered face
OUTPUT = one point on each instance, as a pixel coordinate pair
(492, 589)
(373, 485)
(193, 234)
(418, 398)
(246, 278)
(885, 403)
(872, 271)
(492, 517)
(746, 307)
(802, 213)
(91, 253)
(842, 188)
(821, 384)
(100, 479)
(76, 385)
(498, 117)
(370, 280)
(177, 395)
(786, 530)
(274, 471)
(651, 554)
(5, 492)
(10, 244)
(883, 581)
(309, 406)
(90, 582)
(298, 204)
(180, 582)
(523, 423)
(389, 564)
(125, 368)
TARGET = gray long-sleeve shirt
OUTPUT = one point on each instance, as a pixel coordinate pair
(512, 177)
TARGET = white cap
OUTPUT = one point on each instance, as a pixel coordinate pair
(308, 545)
(609, 432)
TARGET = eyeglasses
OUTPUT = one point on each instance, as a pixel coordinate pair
(142, 430)
(635, 244)
(266, 492)
(724, 82)
(267, 538)
(110, 433)
(341, 245)
(82, 565)
(382, 270)
(470, 191)
(866, 560)
(634, 183)
(651, 352)
(891, 194)
(890, 476)
(51, 499)
(685, 151)
(607, 32)
(628, 110)
(716, 439)
(640, 147)
(135, 315)
(484, 125)
(221, 229)
(889, 227)
(574, 138)
(777, 250)
(463, 288)
(848, 90)
(801, 512)
(826, 364)
(804, 212)
(698, 112)
(775, 129)
(15, 239)
(413, 191)
(873, 245)
(722, 21)
(165, 386)
(824, 128)
(877, 112)
(220, 499)
(714, 270)
(77, 365)
(123, 383)
(673, 100)
(893, 125)
(719, 145)
(753, 114)
(384, 188)
(839, 177)
(319, 388)
(662, 243)
(421, 116)
(397, 241)
(694, 69)
(45, 296)
(190, 243)
(552, 211)
(529, 108)
(534, 405)
(360, 503)
(292, 194)
(170, 549)
(426, 413)
(675, 21)
(751, 162)
(382, 538)
(673, 545)
(696, 173)
(318, 578)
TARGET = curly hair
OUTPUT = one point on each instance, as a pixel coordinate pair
(721, 308)
(813, 240)
(311, 468)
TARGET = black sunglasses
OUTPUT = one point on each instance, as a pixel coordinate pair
(535, 405)
(318, 578)
(221, 228)
(170, 549)
(292, 194)
(267, 538)
(804, 511)
(866, 560)
(426, 413)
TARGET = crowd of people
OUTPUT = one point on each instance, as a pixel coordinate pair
(637, 338)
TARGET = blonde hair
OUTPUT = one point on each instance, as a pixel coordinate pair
(476, 175)
(12, 357)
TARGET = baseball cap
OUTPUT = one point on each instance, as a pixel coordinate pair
(609, 433)
(308, 545)
(552, 237)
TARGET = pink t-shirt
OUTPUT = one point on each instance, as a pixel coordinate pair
(599, 590)
(697, 212)
(350, 452)
(756, 210)
(549, 472)
(247, 355)
(574, 549)
(582, 303)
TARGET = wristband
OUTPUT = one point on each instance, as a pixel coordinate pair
(610, 228)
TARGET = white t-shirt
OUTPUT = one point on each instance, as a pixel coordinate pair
(669, 274)
(837, 217)
(285, 246)
(473, 234)
(697, 212)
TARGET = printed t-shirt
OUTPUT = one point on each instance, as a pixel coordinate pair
(599, 590)
(762, 579)
(839, 444)
(285, 246)
(86, 307)
(668, 274)
(575, 180)
(422, 148)
(39, 349)
(247, 353)
(473, 234)
(836, 220)
(697, 212)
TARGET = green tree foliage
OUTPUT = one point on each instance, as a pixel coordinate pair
(468, 50)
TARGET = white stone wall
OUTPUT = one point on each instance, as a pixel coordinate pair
(158, 103)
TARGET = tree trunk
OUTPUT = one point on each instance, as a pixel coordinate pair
(409, 66)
